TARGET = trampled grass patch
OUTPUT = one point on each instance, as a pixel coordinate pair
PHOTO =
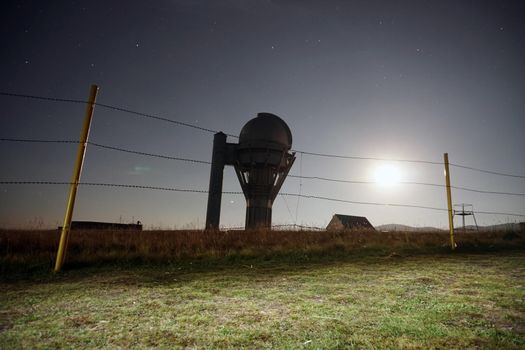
(344, 300)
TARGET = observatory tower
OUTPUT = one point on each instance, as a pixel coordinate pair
(261, 159)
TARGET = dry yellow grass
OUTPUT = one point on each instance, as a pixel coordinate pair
(21, 247)
(277, 289)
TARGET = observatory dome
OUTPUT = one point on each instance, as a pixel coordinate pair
(266, 130)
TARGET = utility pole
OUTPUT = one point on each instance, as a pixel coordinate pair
(77, 171)
(449, 202)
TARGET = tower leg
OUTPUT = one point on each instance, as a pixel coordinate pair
(474, 216)
(258, 214)
(213, 213)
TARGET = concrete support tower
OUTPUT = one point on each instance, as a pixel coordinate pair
(261, 159)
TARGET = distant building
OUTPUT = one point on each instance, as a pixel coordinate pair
(95, 225)
(347, 222)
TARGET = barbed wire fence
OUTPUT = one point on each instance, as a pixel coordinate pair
(284, 195)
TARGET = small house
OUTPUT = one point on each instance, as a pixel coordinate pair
(104, 226)
(348, 222)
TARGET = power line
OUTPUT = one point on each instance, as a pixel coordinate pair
(102, 184)
(189, 125)
(160, 118)
(176, 158)
(328, 155)
(487, 171)
(498, 213)
(148, 154)
(115, 108)
(359, 202)
(37, 140)
(361, 182)
(406, 183)
(292, 176)
(330, 180)
(157, 117)
(239, 193)
(42, 98)
(110, 148)
(391, 204)
(487, 192)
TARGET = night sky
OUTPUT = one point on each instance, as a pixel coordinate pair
(387, 79)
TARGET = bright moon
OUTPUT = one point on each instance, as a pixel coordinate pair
(387, 175)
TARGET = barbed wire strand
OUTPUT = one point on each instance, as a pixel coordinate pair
(120, 149)
(37, 140)
(328, 155)
(359, 202)
(148, 154)
(391, 204)
(115, 108)
(487, 192)
(407, 183)
(103, 184)
(99, 145)
(487, 171)
(157, 117)
(189, 125)
(43, 98)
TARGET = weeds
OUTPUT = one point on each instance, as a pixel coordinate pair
(33, 249)
(194, 289)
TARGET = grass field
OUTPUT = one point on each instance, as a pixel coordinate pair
(366, 297)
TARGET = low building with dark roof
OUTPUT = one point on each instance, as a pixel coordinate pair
(97, 225)
(341, 222)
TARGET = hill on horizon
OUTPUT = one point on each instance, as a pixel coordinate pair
(513, 226)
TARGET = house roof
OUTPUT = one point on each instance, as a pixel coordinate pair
(350, 221)
(96, 225)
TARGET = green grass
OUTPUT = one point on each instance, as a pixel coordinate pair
(344, 300)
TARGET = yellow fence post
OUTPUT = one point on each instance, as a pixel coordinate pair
(64, 236)
(449, 202)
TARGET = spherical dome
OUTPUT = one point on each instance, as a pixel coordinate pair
(266, 130)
